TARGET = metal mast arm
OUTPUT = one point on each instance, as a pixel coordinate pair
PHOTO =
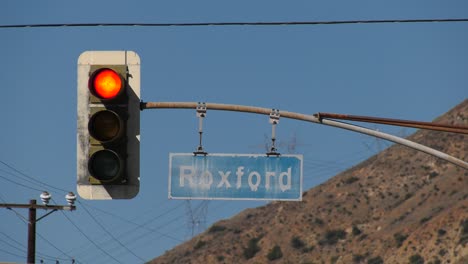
(309, 118)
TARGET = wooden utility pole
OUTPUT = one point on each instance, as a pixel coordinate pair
(32, 220)
(32, 232)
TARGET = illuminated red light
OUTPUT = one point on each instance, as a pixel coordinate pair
(106, 84)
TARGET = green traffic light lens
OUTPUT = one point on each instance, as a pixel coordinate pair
(105, 165)
(105, 126)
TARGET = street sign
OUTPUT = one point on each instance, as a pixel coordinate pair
(235, 177)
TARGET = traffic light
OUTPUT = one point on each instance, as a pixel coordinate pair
(108, 128)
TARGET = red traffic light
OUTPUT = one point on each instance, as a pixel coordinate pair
(108, 125)
(106, 83)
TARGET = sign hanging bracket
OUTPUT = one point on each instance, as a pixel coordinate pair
(201, 113)
(274, 120)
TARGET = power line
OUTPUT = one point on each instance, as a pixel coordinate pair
(133, 230)
(22, 218)
(13, 254)
(111, 235)
(273, 23)
(20, 184)
(20, 247)
(22, 250)
(16, 242)
(31, 178)
(33, 181)
(54, 246)
(171, 221)
(154, 230)
(31, 222)
(89, 239)
(142, 226)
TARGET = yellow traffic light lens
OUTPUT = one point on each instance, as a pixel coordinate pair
(106, 83)
(105, 165)
(105, 126)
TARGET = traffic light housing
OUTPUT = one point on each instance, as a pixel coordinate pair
(108, 128)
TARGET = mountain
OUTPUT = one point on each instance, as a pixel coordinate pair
(399, 206)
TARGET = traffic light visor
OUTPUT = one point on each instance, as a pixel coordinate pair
(106, 83)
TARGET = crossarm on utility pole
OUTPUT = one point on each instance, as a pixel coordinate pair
(38, 206)
(309, 118)
(32, 220)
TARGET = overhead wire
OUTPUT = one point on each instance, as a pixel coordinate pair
(20, 216)
(35, 181)
(21, 250)
(142, 226)
(13, 254)
(138, 225)
(24, 251)
(54, 246)
(20, 184)
(171, 221)
(32, 180)
(280, 23)
(12, 239)
(152, 230)
(121, 218)
(89, 239)
(20, 247)
(24, 175)
(132, 231)
(16, 175)
(165, 224)
(111, 235)
(220, 204)
(141, 242)
(239, 23)
(26, 221)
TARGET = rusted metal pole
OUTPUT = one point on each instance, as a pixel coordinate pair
(308, 118)
(396, 122)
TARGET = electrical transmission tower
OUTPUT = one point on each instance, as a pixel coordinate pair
(196, 216)
(288, 146)
(377, 145)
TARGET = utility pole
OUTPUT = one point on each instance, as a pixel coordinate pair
(32, 232)
(32, 220)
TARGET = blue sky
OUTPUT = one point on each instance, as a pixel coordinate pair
(408, 71)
